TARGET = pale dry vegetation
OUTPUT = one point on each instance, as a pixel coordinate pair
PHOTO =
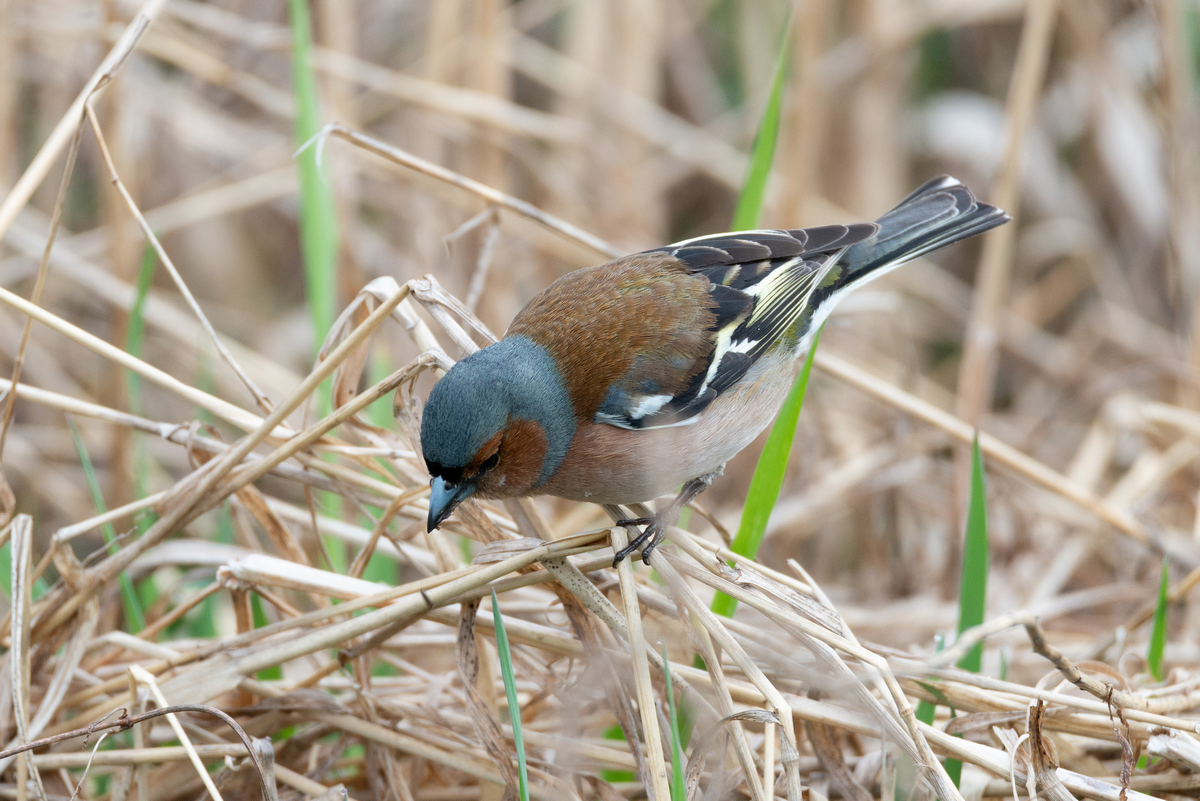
(485, 148)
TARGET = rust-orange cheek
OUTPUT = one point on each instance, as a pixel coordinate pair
(522, 454)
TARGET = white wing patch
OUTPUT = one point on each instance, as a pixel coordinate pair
(781, 297)
(651, 404)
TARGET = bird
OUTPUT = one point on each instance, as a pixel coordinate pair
(623, 382)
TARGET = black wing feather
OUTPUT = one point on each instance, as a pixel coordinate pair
(763, 283)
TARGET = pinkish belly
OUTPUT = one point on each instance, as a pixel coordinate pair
(615, 465)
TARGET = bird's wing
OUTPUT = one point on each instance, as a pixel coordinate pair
(759, 284)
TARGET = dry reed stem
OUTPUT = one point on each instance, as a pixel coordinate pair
(137, 756)
(713, 625)
(992, 447)
(145, 678)
(20, 652)
(224, 410)
(647, 705)
(38, 287)
(246, 475)
(37, 170)
(977, 373)
(259, 397)
(214, 471)
(504, 201)
(1131, 472)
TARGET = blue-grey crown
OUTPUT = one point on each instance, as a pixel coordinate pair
(515, 378)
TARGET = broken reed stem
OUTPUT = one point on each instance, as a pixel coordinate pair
(821, 635)
(259, 396)
(136, 756)
(917, 671)
(715, 676)
(140, 676)
(1105, 692)
(406, 606)
(721, 637)
(252, 471)
(493, 196)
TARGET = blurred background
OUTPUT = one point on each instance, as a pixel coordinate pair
(1070, 336)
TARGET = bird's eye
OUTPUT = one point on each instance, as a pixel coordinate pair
(490, 462)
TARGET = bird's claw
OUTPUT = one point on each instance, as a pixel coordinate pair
(651, 536)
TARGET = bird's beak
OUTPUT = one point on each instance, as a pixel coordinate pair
(443, 498)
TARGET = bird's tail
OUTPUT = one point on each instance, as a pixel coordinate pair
(939, 213)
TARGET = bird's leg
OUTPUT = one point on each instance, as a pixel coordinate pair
(663, 519)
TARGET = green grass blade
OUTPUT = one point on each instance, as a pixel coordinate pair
(768, 474)
(768, 477)
(134, 617)
(926, 711)
(133, 381)
(380, 367)
(954, 771)
(260, 620)
(972, 594)
(678, 790)
(1158, 635)
(935, 63)
(318, 219)
(609, 775)
(40, 587)
(510, 692)
(762, 154)
(318, 227)
(137, 325)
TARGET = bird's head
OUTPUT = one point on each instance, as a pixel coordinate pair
(497, 425)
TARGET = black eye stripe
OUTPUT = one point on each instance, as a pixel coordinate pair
(451, 475)
(456, 475)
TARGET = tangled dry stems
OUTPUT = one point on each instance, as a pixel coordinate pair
(805, 704)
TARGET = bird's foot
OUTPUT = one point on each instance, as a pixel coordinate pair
(647, 540)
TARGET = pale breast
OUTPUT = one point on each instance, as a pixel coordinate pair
(615, 465)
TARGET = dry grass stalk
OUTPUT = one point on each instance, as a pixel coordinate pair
(647, 704)
(114, 177)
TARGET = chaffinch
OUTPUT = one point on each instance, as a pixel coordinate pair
(621, 382)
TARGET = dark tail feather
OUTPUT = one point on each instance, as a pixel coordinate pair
(937, 214)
